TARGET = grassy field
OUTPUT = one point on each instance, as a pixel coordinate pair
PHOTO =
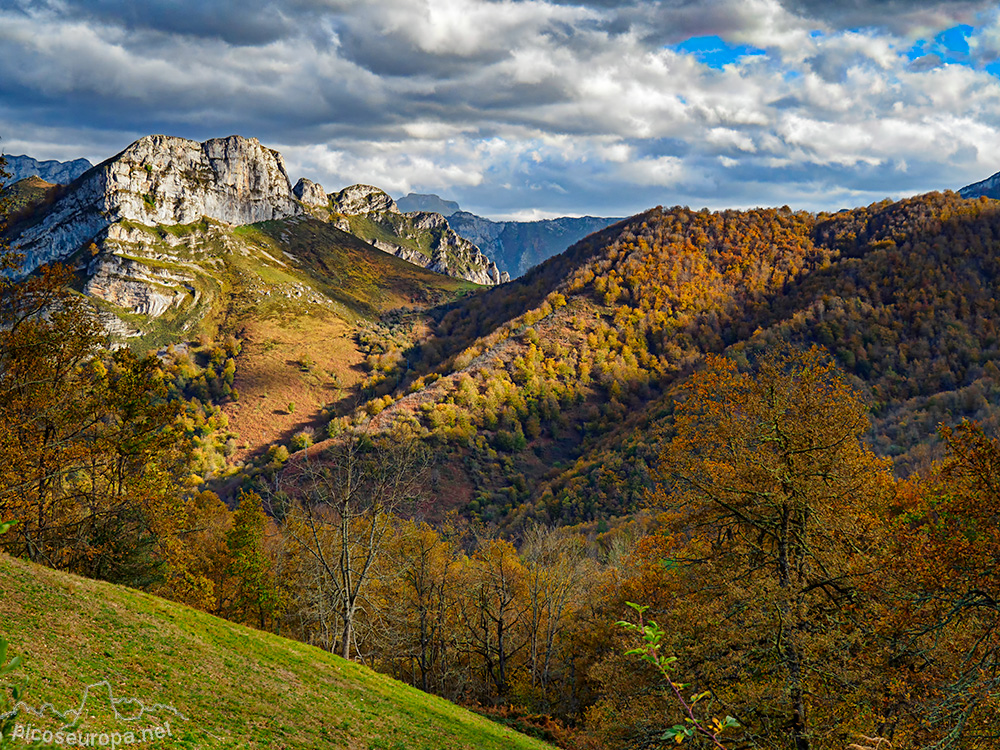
(213, 683)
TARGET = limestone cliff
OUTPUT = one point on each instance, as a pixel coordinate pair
(160, 180)
(152, 229)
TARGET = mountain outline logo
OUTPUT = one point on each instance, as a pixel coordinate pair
(73, 715)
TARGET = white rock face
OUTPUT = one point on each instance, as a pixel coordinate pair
(134, 285)
(363, 199)
(164, 180)
(311, 193)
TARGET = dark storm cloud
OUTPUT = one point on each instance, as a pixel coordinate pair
(238, 22)
(901, 16)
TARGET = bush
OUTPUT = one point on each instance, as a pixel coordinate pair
(302, 439)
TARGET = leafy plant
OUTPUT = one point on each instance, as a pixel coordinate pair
(710, 728)
(8, 720)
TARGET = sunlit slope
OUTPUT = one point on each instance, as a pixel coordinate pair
(549, 393)
(218, 684)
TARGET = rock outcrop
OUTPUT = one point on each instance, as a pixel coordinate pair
(421, 237)
(311, 193)
(363, 199)
(160, 180)
(56, 172)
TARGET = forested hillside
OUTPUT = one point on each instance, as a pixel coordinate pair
(547, 391)
(730, 418)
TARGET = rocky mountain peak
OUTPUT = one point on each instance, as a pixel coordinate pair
(162, 180)
(363, 199)
(311, 193)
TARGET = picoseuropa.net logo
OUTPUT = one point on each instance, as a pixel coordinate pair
(31, 734)
(101, 720)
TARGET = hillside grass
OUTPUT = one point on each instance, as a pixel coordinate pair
(233, 687)
(302, 354)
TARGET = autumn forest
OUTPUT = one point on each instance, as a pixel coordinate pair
(719, 479)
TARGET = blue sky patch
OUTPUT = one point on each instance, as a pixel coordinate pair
(951, 45)
(714, 52)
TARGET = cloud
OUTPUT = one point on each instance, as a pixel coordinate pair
(911, 18)
(526, 106)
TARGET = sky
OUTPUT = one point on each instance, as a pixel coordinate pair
(525, 109)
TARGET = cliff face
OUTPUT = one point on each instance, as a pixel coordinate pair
(150, 229)
(160, 180)
(420, 237)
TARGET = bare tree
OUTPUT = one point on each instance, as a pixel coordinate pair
(341, 506)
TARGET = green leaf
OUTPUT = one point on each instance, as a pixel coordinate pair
(5, 527)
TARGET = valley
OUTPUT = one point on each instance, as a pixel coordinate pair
(324, 418)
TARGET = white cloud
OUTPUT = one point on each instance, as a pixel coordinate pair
(490, 100)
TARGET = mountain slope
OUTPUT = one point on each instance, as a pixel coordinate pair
(517, 246)
(988, 188)
(548, 394)
(217, 684)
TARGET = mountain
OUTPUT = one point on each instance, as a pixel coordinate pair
(424, 202)
(160, 240)
(151, 230)
(547, 394)
(517, 246)
(56, 172)
(208, 681)
(420, 237)
(990, 188)
(161, 181)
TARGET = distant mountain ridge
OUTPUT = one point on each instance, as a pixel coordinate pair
(57, 172)
(989, 188)
(427, 202)
(515, 246)
(518, 246)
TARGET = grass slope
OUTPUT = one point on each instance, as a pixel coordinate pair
(305, 355)
(235, 687)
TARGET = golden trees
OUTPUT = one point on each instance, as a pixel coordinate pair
(342, 511)
(945, 589)
(777, 515)
(91, 460)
